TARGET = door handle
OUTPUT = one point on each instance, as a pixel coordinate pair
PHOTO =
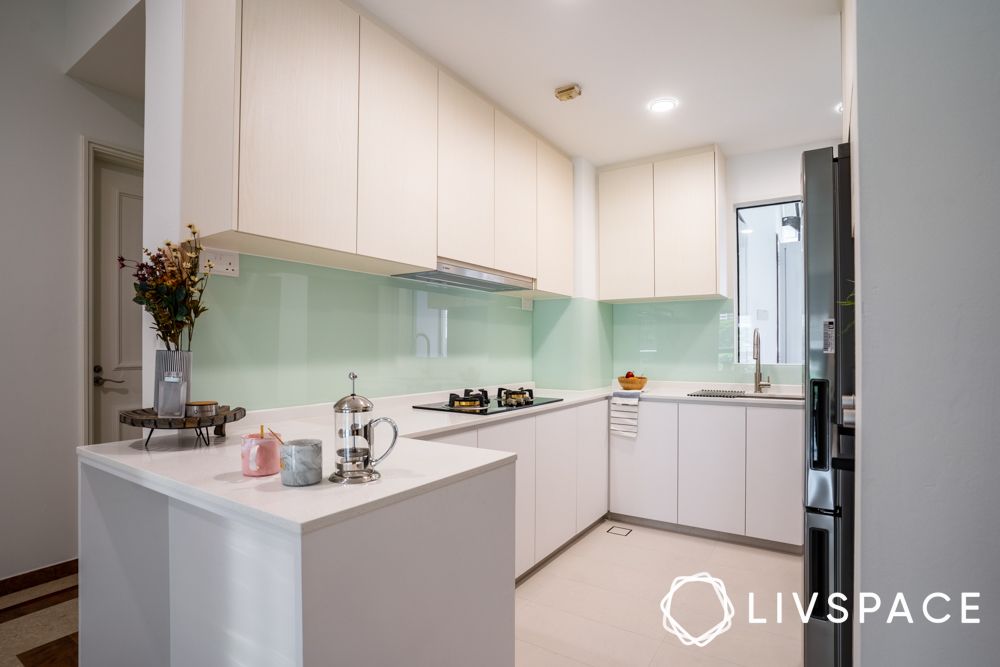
(99, 381)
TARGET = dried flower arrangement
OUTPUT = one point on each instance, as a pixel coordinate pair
(169, 286)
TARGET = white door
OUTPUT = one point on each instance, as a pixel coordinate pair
(518, 436)
(514, 166)
(117, 345)
(685, 241)
(625, 232)
(465, 174)
(644, 469)
(775, 452)
(555, 480)
(591, 463)
(711, 467)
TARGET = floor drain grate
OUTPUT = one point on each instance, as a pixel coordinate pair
(618, 530)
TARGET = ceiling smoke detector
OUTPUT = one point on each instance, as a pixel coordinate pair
(568, 92)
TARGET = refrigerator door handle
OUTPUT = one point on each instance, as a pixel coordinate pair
(819, 420)
(819, 563)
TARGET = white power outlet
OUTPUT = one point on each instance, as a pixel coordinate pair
(224, 262)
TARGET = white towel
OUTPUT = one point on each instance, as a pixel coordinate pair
(624, 413)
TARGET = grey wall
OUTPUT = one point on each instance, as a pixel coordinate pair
(44, 116)
(928, 138)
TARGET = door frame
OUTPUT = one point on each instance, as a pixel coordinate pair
(93, 151)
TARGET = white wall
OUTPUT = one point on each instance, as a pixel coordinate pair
(43, 118)
(754, 178)
(928, 152)
(87, 21)
(162, 186)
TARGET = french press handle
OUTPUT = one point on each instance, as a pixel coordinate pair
(370, 437)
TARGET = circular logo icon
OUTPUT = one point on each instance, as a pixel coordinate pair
(671, 625)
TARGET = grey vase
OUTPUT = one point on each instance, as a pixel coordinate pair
(178, 361)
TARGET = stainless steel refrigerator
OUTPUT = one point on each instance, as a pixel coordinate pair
(829, 389)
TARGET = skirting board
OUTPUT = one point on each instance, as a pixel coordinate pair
(770, 545)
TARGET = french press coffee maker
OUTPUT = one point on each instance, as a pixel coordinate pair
(355, 442)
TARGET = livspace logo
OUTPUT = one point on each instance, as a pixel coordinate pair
(934, 608)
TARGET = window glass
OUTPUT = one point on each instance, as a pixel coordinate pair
(770, 283)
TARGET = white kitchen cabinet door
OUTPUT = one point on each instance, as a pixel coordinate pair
(555, 221)
(514, 228)
(210, 119)
(397, 151)
(775, 460)
(465, 174)
(299, 122)
(591, 463)
(686, 226)
(555, 480)
(464, 438)
(644, 469)
(625, 232)
(711, 467)
(518, 436)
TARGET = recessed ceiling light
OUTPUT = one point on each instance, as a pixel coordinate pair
(662, 104)
(839, 107)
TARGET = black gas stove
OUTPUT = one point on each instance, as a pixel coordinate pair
(479, 402)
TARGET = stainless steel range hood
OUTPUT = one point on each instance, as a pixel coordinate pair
(454, 274)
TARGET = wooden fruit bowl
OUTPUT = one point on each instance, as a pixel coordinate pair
(634, 383)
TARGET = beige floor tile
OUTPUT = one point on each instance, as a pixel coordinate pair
(672, 653)
(37, 591)
(579, 638)
(529, 655)
(607, 582)
(641, 582)
(615, 608)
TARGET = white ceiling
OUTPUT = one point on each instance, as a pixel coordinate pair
(750, 74)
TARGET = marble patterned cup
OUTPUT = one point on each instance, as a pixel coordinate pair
(301, 462)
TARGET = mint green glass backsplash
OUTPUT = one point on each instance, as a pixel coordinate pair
(572, 343)
(685, 341)
(285, 334)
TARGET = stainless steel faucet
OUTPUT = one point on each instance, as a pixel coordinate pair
(758, 384)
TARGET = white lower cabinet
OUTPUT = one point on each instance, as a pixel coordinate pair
(465, 438)
(591, 463)
(644, 469)
(711, 462)
(775, 473)
(555, 480)
(561, 473)
(518, 436)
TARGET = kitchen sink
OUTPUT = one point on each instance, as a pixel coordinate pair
(740, 393)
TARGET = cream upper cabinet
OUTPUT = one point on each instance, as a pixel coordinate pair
(514, 236)
(660, 233)
(397, 151)
(299, 122)
(687, 238)
(555, 222)
(465, 174)
(625, 232)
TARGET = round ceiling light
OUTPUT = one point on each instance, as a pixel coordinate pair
(662, 104)
(838, 107)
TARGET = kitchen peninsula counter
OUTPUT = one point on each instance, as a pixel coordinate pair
(184, 561)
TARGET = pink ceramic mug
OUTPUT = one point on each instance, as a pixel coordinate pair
(261, 456)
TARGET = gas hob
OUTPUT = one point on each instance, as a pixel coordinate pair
(479, 402)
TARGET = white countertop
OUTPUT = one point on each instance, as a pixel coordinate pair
(210, 477)
(427, 423)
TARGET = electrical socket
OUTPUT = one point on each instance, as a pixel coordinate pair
(224, 262)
